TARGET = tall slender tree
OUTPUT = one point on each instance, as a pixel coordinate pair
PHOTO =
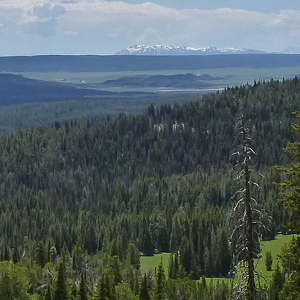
(144, 293)
(61, 292)
(246, 219)
(158, 292)
(82, 288)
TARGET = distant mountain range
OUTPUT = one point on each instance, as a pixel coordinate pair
(181, 50)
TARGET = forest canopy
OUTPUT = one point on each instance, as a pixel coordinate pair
(86, 198)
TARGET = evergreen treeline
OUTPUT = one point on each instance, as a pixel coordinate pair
(99, 193)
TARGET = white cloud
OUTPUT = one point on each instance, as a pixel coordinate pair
(123, 24)
(70, 33)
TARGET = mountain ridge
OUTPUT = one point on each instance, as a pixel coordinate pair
(183, 50)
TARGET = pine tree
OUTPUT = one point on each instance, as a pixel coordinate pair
(133, 256)
(6, 289)
(186, 254)
(147, 244)
(105, 290)
(158, 292)
(290, 195)
(16, 256)
(82, 288)
(41, 257)
(223, 254)
(269, 260)
(276, 283)
(6, 253)
(144, 293)
(290, 188)
(73, 293)
(60, 292)
(171, 267)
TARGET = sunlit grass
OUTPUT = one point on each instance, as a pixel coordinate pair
(274, 246)
(149, 263)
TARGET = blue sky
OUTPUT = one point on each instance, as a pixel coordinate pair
(31, 27)
(255, 5)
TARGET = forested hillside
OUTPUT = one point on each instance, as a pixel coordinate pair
(98, 193)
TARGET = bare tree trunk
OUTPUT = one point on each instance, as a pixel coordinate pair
(249, 234)
(245, 220)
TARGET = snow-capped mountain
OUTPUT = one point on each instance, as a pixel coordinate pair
(181, 50)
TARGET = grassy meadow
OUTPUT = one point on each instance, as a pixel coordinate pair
(274, 246)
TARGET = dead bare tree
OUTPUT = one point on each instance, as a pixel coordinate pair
(245, 221)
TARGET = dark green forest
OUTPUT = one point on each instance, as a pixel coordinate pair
(81, 201)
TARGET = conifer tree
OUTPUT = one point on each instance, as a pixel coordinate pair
(171, 267)
(290, 195)
(105, 291)
(276, 283)
(223, 254)
(158, 292)
(60, 292)
(246, 220)
(82, 288)
(15, 255)
(6, 289)
(147, 244)
(41, 257)
(6, 253)
(290, 188)
(133, 256)
(144, 293)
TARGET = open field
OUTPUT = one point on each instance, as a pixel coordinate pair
(151, 262)
(275, 246)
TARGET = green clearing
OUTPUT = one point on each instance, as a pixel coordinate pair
(275, 247)
(149, 263)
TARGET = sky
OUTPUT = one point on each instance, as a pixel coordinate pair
(103, 27)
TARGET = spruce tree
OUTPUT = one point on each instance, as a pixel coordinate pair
(6, 288)
(105, 290)
(144, 293)
(223, 254)
(15, 256)
(82, 288)
(290, 195)
(60, 292)
(159, 292)
(276, 283)
(41, 257)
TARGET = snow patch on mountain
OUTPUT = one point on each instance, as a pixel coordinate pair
(182, 50)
